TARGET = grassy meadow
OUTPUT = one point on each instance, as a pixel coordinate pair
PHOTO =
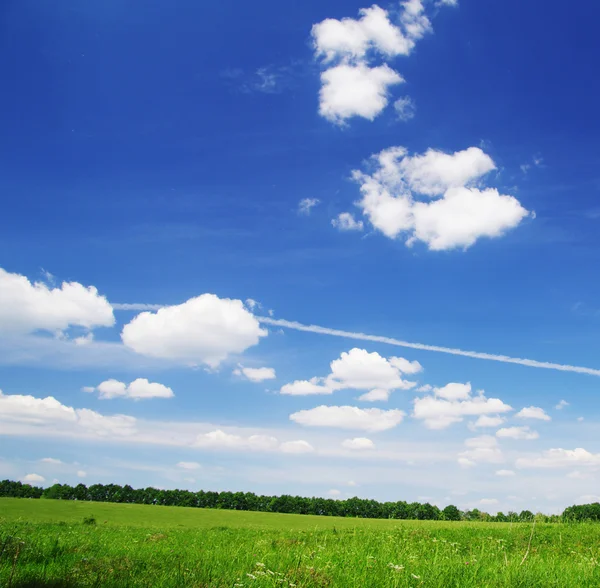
(56, 543)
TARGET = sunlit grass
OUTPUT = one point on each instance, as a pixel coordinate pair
(162, 546)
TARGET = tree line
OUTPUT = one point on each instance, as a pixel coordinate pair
(351, 507)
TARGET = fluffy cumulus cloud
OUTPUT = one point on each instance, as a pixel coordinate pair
(255, 374)
(26, 307)
(352, 38)
(137, 390)
(349, 417)
(520, 433)
(351, 84)
(345, 221)
(358, 369)
(358, 443)
(533, 412)
(483, 449)
(221, 440)
(485, 421)
(452, 403)
(560, 458)
(355, 90)
(20, 414)
(203, 330)
(434, 198)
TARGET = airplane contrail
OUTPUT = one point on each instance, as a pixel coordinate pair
(423, 347)
(397, 342)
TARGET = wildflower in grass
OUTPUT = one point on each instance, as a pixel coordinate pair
(416, 577)
(260, 564)
(395, 567)
(251, 576)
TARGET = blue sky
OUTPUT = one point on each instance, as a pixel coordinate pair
(425, 171)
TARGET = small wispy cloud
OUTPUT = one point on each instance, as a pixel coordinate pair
(306, 205)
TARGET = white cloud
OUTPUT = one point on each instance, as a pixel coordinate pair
(521, 433)
(355, 90)
(205, 329)
(483, 449)
(189, 465)
(358, 369)
(227, 441)
(221, 440)
(256, 374)
(33, 479)
(296, 447)
(359, 443)
(345, 221)
(305, 388)
(26, 307)
(349, 417)
(463, 216)
(39, 415)
(81, 474)
(376, 395)
(350, 38)
(405, 366)
(84, 339)
(487, 421)
(334, 493)
(51, 460)
(350, 86)
(459, 215)
(505, 473)
(437, 412)
(307, 204)
(533, 412)
(405, 108)
(447, 2)
(454, 391)
(252, 304)
(560, 458)
(138, 389)
(562, 404)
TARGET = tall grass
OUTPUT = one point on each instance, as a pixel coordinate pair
(366, 554)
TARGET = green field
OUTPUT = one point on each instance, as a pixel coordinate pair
(46, 543)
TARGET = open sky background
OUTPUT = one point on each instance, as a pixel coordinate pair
(155, 153)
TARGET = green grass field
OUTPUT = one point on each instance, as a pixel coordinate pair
(46, 543)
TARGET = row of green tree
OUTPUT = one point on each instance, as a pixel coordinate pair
(351, 507)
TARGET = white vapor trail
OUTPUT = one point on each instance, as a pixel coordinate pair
(397, 342)
(449, 350)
